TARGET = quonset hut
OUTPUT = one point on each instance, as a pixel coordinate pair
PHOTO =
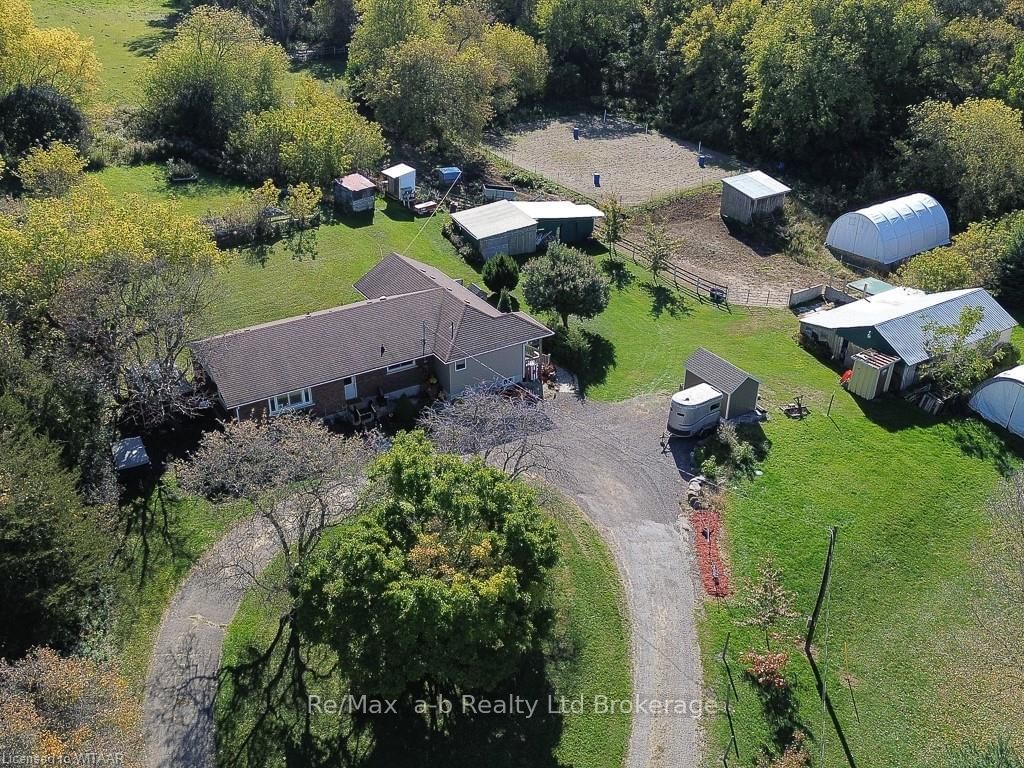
(883, 236)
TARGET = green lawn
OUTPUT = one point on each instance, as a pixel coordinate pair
(211, 194)
(125, 33)
(587, 656)
(253, 293)
(165, 533)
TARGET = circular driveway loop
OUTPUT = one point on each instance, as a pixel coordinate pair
(613, 468)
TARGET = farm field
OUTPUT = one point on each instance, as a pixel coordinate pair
(634, 165)
(586, 656)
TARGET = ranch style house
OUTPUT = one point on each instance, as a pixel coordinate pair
(416, 326)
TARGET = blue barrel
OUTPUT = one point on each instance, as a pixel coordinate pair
(597, 179)
(575, 134)
(701, 160)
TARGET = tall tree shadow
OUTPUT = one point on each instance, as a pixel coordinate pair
(600, 360)
(617, 272)
(665, 300)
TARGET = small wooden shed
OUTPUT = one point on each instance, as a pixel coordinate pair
(738, 386)
(753, 194)
(400, 182)
(355, 193)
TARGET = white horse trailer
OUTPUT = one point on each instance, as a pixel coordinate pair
(695, 411)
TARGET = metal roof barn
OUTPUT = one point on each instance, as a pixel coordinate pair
(498, 227)
(885, 235)
(752, 194)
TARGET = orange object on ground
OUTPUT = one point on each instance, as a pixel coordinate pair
(714, 574)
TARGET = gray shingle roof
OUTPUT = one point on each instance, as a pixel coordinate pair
(719, 373)
(411, 311)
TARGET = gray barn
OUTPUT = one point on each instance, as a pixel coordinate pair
(738, 386)
(498, 227)
(753, 194)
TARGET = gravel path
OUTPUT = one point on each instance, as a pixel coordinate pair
(612, 466)
(616, 471)
(182, 680)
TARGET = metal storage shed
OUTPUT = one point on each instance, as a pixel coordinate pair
(751, 194)
(1000, 400)
(498, 227)
(738, 386)
(885, 235)
(572, 223)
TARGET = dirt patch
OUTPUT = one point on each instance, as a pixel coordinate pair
(747, 264)
(635, 164)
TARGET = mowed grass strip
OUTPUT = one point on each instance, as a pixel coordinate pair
(587, 657)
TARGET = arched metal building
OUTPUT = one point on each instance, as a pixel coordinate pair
(885, 235)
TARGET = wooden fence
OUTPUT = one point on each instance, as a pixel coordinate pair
(686, 281)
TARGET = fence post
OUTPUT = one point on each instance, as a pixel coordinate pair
(768, 297)
(748, 296)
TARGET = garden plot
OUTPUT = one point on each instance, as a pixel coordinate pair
(634, 164)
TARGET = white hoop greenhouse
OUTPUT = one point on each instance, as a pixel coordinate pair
(884, 235)
(1000, 400)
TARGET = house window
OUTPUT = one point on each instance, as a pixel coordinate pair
(460, 365)
(401, 366)
(290, 401)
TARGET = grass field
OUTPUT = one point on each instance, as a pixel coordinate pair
(907, 492)
(125, 33)
(588, 655)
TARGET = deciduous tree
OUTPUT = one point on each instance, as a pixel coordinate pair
(565, 281)
(383, 26)
(54, 58)
(302, 204)
(506, 432)
(299, 477)
(428, 92)
(217, 69)
(959, 356)
(315, 139)
(37, 116)
(941, 269)
(767, 599)
(655, 248)
(968, 155)
(441, 586)
(51, 172)
(64, 708)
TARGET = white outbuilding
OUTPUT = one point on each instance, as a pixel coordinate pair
(885, 235)
(1000, 400)
(752, 194)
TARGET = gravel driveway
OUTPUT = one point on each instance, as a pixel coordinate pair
(616, 471)
(612, 465)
